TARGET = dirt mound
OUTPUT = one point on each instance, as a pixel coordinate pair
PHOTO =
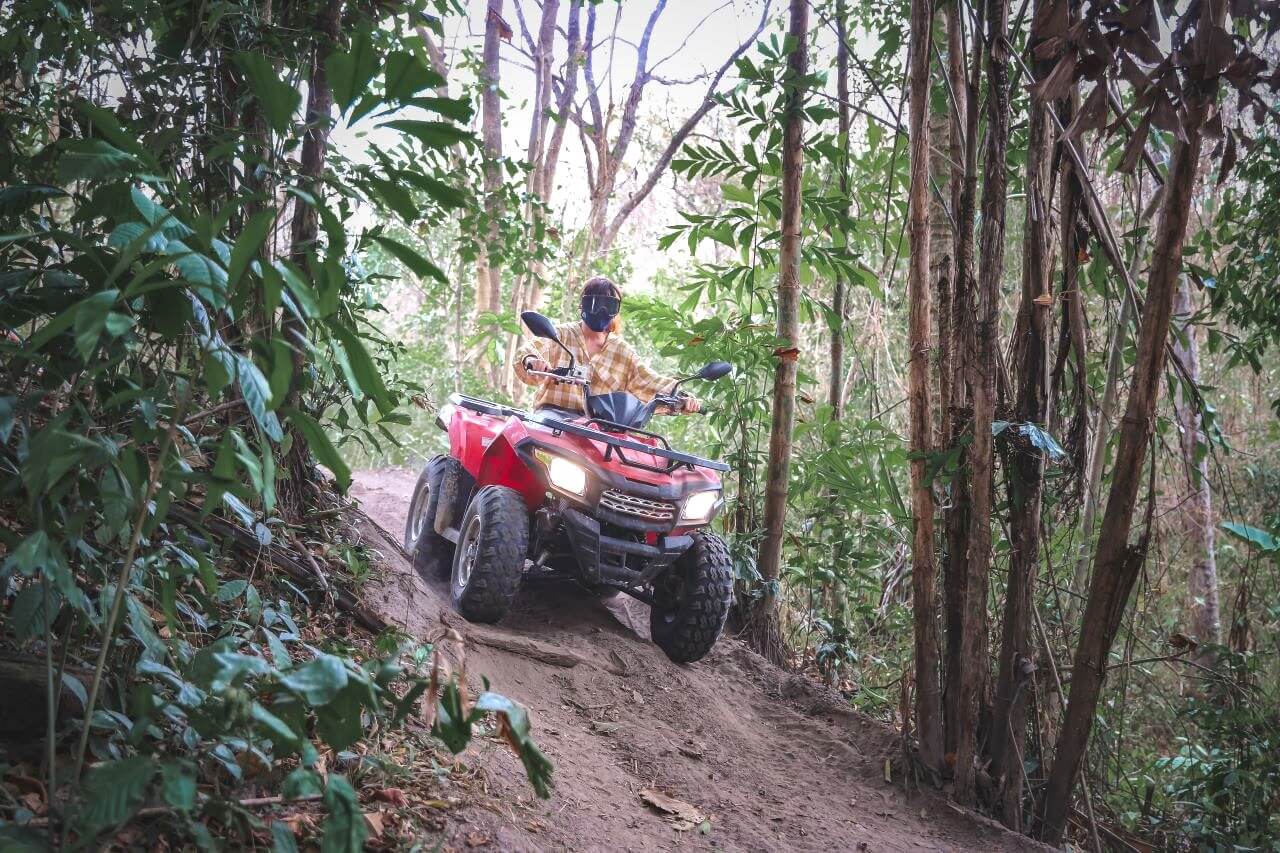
(769, 760)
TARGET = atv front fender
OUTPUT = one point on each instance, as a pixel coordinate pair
(501, 465)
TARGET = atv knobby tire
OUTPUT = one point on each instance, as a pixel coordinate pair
(442, 479)
(689, 610)
(489, 560)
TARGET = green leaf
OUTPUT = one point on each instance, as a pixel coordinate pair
(250, 241)
(279, 100)
(448, 197)
(349, 72)
(411, 258)
(8, 416)
(277, 729)
(257, 396)
(318, 681)
(27, 614)
(92, 159)
(91, 319)
(433, 134)
(365, 372)
(178, 784)
(515, 730)
(338, 721)
(303, 782)
(406, 75)
(1253, 535)
(321, 446)
(458, 109)
(113, 792)
(282, 839)
(344, 828)
(18, 198)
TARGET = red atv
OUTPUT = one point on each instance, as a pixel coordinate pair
(591, 497)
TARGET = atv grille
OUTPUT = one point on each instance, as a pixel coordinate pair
(625, 504)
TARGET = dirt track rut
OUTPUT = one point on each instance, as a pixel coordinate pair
(774, 760)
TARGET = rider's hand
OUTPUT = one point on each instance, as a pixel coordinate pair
(536, 364)
(691, 405)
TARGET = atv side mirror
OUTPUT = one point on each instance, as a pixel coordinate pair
(540, 325)
(715, 370)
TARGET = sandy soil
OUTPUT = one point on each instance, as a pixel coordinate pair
(774, 760)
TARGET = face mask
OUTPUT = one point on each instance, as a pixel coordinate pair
(598, 311)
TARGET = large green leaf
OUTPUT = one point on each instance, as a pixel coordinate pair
(178, 784)
(279, 100)
(407, 74)
(257, 396)
(433, 134)
(1253, 535)
(113, 792)
(447, 196)
(318, 681)
(515, 729)
(251, 238)
(18, 198)
(363, 370)
(92, 159)
(344, 828)
(411, 258)
(349, 72)
(338, 721)
(321, 446)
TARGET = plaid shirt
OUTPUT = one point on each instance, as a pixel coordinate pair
(615, 368)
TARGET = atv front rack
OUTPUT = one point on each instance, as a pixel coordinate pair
(616, 445)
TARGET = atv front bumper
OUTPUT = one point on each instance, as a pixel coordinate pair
(603, 558)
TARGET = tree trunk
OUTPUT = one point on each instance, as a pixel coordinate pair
(983, 368)
(958, 415)
(303, 234)
(1116, 563)
(764, 630)
(1007, 745)
(489, 284)
(1197, 505)
(923, 570)
(835, 395)
(551, 157)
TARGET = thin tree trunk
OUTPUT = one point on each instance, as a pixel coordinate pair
(1116, 564)
(573, 60)
(1102, 434)
(959, 415)
(304, 232)
(835, 396)
(489, 285)
(764, 630)
(923, 569)
(984, 366)
(1197, 508)
(941, 247)
(1007, 744)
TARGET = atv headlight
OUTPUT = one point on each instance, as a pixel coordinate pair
(699, 507)
(569, 477)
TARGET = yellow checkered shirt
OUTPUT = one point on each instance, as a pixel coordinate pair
(615, 368)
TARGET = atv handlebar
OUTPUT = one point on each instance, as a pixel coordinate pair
(562, 375)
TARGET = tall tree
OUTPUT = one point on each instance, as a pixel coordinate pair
(305, 229)
(489, 271)
(1116, 562)
(605, 156)
(923, 569)
(764, 628)
(835, 392)
(1197, 503)
(1007, 743)
(983, 367)
(963, 84)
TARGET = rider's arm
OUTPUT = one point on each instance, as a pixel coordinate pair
(642, 381)
(536, 348)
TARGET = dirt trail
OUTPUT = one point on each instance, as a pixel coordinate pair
(776, 761)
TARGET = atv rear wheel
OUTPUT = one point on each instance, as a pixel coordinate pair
(432, 553)
(692, 601)
(489, 560)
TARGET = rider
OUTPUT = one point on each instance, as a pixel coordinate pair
(609, 362)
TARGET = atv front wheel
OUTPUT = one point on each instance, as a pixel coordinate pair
(692, 601)
(489, 560)
(432, 553)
